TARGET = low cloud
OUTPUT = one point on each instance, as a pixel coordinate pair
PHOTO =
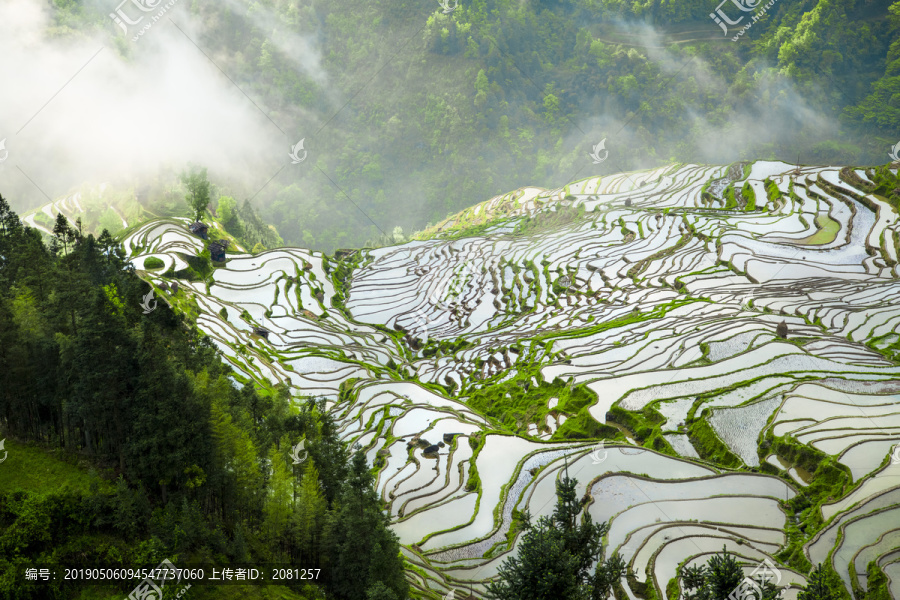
(73, 110)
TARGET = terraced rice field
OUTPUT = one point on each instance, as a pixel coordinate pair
(657, 301)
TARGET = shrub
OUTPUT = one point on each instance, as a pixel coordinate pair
(154, 263)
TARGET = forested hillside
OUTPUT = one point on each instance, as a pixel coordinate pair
(196, 467)
(409, 113)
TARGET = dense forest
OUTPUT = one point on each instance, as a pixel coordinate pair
(197, 467)
(409, 114)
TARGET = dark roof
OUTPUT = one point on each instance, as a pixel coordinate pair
(217, 250)
(261, 331)
(782, 330)
(198, 226)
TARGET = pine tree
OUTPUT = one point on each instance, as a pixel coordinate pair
(823, 584)
(723, 575)
(719, 578)
(310, 513)
(359, 540)
(278, 503)
(556, 554)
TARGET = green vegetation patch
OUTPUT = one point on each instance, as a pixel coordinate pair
(830, 480)
(879, 584)
(547, 219)
(41, 218)
(199, 266)
(828, 229)
(154, 263)
(518, 402)
(749, 197)
(584, 426)
(34, 469)
(887, 184)
(646, 425)
(709, 446)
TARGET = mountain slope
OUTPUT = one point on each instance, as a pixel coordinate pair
(729, 330)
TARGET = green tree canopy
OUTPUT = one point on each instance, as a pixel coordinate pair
(556, 554)
(198, 190)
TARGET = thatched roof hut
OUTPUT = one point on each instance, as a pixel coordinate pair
(217, 250)
(200, 229)
(782, 330)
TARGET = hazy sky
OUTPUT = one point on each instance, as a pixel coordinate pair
(74, 111)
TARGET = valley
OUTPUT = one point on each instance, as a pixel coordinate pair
(738, 322)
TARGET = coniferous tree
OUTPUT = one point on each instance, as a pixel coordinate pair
(358, 540)
(822, 584)
(719, 578)
(556, 554)
(311, 509)
(279, 503)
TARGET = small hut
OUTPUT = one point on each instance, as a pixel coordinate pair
(174, 287)
(217, 250)
(341, 253)
(433, 449)
(261, 332)
(782, 330)
(627, 201)
(164, 286)
(199, 229)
